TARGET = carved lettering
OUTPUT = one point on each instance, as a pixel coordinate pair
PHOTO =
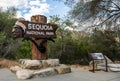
(34, 33)
(49, 33)
(39, 26)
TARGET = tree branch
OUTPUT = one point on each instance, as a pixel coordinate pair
(116, 5)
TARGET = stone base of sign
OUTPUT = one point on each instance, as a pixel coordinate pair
(24, 74)
(15, 68)
(63, 69)
(38, 64)
(40, 68)
(45, 72)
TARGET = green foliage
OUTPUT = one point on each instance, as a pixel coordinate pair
(7, 45)
(73, 47)
(105, 42)
(68, 48)
(2, 37)
(24, 50)
(10, 48)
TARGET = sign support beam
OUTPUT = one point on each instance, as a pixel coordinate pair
(36, 54)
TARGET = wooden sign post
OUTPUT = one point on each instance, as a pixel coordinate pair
(38, 32)
(36, 54)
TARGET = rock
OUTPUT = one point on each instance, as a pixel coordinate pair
(115, 69)
(45, 72)
(39, 68)
(15, 68)
(38, 64)
(24, 74)
(44, 63)
(53, 62)
(21, 61)
(114, 65)
(31, 64)
(63, 69)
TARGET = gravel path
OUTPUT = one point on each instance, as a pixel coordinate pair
(75, 75)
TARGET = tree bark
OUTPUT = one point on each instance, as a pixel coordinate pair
(36, 54)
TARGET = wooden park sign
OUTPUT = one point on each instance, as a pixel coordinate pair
(38, 31)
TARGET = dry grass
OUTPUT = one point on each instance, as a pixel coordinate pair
(81, 67)
(117, 62)
(5, 63)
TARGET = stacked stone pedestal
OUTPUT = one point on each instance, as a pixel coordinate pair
(40, 68)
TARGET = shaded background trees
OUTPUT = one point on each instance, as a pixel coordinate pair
(101, 18)
(7, 45)
(10, 48)
(107, 42)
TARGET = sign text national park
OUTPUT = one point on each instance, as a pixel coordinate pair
(40, 30)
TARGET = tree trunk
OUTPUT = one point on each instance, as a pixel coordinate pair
(36, 54)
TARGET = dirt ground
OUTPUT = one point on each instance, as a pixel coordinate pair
(85, 67)
(5, 63)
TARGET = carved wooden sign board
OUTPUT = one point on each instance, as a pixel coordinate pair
(39, 30)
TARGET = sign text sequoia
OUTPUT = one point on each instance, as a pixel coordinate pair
(40, 30)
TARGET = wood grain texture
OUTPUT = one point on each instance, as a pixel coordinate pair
(36, 54)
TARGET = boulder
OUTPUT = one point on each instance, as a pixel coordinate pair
(45, 72)
(38, 64)
(53, 62)
(114, 69)
(15, 68)
(39, 68)
(24, 74)
(31, 64)
(45, 64)
(114, 65)
(21, 61)
(63, 69)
